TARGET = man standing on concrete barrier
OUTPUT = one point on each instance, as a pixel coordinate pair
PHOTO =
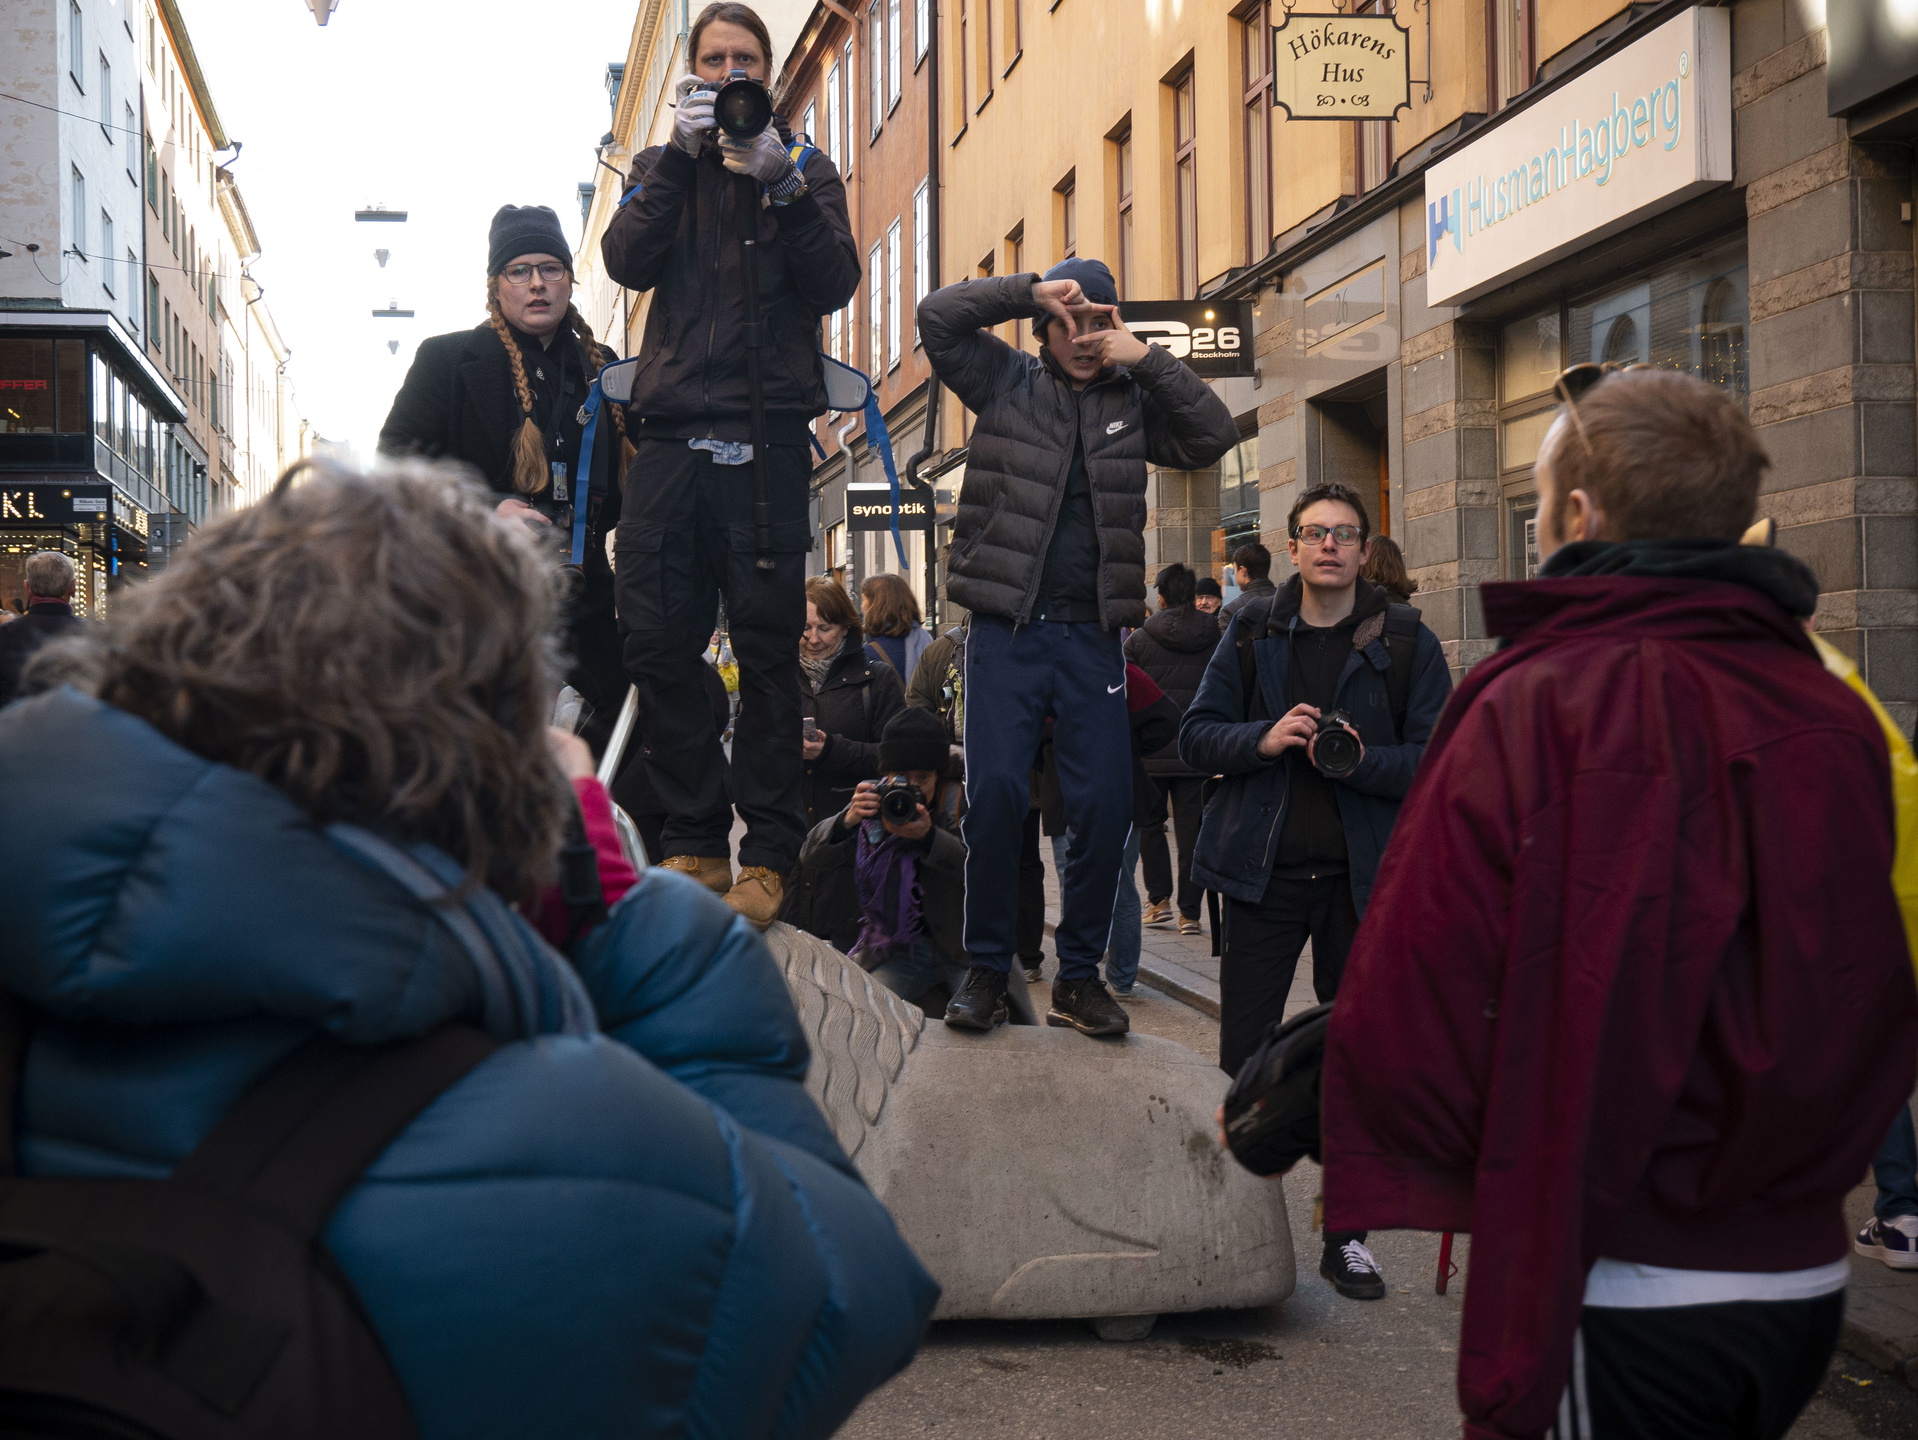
(1295, 835)
(1633, 1001)
(1049, 556)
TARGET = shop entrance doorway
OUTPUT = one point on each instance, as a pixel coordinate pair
(1347, 445)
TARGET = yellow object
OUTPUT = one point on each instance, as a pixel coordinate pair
(1904, 792)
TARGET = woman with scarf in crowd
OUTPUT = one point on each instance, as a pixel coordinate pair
(847, 697)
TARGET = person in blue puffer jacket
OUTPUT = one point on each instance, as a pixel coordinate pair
(630, 1220)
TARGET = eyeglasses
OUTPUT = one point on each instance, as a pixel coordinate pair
(1575, 382)
(1346, 535)
(551, 271)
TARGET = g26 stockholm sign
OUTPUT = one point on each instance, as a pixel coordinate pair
(1213, 337)
(1341, 67)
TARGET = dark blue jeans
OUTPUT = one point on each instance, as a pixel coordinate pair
(1015, 678)
(1895, 1168)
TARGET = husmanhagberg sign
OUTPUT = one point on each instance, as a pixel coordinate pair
(1635, 135)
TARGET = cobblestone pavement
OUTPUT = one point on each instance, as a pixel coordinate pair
(1316, 1366)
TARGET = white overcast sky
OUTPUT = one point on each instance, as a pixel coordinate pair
(447, 109)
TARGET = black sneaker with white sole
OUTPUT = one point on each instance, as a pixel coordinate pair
(1086, 1006)
(1352, 1269)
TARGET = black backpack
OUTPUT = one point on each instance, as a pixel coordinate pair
(203, 1306)
(1272, 1106)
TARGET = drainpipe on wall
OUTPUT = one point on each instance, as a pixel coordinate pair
(924, 452)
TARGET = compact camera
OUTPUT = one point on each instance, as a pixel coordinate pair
(899, 800)
(1335, 750)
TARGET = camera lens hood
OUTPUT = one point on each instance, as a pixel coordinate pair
(743, 108)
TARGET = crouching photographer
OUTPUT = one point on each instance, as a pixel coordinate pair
(741, 235)
(885, 880)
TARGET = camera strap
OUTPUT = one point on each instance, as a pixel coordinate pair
(583, 498)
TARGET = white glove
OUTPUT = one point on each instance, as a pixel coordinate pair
(693, 117)
(762, 157)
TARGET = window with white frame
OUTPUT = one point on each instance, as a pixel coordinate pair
(876, 310)
(133, 292)
(79, 214)
(893, 268)
(836, 335)
(76, 45)
(921, 28)
(833, 144)
(106, 98)
(811, 122)
(875, 67)
(892, 53)
(132, 128)
(846, 79)
(106, 251)
(921, 250)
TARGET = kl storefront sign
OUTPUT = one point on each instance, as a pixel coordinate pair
(869, 507)
(1625, 140)
(1214, 338)
(1341, 67)
(55, 504)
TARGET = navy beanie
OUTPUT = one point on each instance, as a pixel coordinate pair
(1093, 277)
(526, 230)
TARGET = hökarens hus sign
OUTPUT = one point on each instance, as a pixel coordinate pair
(1630, 137)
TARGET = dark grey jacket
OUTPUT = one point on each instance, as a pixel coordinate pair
(1021, 450)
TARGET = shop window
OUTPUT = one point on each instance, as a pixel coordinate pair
(27, 387)
(70, 386)
(1239, 492)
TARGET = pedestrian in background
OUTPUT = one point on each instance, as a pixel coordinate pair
(504, 398)
(849, 699)
(49, 614)
(1207, 597)
(686, 531)
(1294, 837)
(1173, 647)
(1385, 568)
(1048, 554)
(1633, 1001)
(1252, 569)
(894, 628)
(316, 757)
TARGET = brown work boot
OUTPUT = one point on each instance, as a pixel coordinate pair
(715, 872)
(757, 894)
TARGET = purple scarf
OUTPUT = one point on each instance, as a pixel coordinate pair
(886, 877)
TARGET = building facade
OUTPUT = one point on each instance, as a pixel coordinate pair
(138, 390)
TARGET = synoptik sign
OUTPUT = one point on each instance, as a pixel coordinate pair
(1630, 137)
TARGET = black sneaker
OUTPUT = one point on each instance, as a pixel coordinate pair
(981, 1001)
(1085, 1005)
(1353, 1271)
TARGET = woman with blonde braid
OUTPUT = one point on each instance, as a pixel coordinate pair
(504, 397)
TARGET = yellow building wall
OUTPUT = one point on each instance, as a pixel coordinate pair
(1560, 22)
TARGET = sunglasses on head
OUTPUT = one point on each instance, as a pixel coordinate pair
(1575, 382)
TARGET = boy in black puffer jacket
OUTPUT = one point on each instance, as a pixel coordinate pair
(1048, 554)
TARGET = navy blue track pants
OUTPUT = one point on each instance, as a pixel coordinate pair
(1015, 677)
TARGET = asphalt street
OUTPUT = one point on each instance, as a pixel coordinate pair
(1316, 1366)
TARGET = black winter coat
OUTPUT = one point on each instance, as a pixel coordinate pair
(1173, 648)
(1021, 451)
(20, 639)
(825, 899)
(677, 234)
(458, 403)
(859, 696)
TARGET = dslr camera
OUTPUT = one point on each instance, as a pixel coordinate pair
(1336, 750)
(742, 106)
(899, 800)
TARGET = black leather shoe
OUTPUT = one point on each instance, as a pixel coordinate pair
(1085, 1005)
(981, 1001)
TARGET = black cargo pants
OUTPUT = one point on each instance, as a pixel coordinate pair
(685, 539)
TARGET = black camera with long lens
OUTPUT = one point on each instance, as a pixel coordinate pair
(743, 107)
(1336, 750)
(899, 800)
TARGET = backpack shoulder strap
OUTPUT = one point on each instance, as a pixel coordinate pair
(1255, 617)
(1401, 643)
(296, 1142)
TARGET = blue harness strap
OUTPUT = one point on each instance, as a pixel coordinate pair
(632, 194)
(876, 434)
(583, 495)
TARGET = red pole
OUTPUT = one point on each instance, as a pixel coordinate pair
(1445, 1270)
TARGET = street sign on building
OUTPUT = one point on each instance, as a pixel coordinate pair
(1632, 136)
(869, 507)
(1341, 67)
(1213, 337)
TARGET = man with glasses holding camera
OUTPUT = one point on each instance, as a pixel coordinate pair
(1315, 709)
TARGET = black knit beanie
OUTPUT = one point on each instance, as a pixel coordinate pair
(914, 739)
(525, 230)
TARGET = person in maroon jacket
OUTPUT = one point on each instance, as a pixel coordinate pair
(1632, 1002)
